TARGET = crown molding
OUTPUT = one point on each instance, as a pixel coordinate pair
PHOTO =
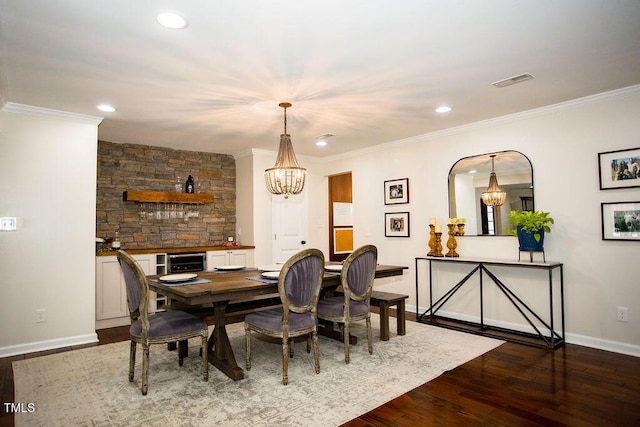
(13, 107)
(549, 109)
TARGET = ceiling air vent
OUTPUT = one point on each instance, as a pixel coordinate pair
(513, 80)
(325, 136)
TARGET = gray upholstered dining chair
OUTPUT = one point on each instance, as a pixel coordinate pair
(299, 288)
(356, 278)
(158, 328)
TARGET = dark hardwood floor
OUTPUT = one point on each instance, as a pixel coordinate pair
(513, 385)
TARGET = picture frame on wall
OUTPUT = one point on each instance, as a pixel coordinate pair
(396, 224)
(621, 221)
(619, 169)
(396, 191)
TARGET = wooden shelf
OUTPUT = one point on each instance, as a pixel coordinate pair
(166, 197)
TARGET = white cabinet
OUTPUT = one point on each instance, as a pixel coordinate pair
(230, 257)
(111, 293)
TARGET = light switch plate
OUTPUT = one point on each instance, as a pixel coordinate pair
(8, 224)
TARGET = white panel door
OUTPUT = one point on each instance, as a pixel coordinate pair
(289, 226)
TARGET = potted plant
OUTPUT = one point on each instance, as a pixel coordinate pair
(530, 228)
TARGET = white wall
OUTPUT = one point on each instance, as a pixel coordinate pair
(562, 142)
(244, 199)
(48, 181)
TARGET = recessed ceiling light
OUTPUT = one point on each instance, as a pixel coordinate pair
(171, 20)
(321, 143)
(106, 108)
(472, 171)
(443, 109)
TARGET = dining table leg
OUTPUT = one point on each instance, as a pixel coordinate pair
(327, 329)
(220, 351)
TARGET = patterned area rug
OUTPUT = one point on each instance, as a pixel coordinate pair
(90, 387)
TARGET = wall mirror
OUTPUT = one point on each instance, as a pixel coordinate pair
(469, 178)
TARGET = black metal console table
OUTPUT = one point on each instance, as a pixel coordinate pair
(538, 338)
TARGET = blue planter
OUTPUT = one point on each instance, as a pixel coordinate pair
(528, 242)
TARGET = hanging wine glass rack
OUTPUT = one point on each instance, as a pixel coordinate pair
(158, 205)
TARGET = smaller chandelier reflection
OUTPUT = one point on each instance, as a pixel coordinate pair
(494, 196)
(286, 176)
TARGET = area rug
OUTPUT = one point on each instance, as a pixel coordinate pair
(90, 387)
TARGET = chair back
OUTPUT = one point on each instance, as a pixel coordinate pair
(137, 288)
(300, 281)
(358, 272)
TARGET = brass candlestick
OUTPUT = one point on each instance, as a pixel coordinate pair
(438, 244)
(432, 240)
(460, 231)
(451, 243)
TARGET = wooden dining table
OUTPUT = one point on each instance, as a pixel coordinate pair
(229, 295)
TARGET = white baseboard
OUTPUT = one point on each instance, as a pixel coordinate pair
(599, 343)
(112, 323)
(12, 350)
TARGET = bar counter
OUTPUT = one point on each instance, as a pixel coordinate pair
(174, 250)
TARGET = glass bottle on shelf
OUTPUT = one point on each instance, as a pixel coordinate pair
(115, 245)
(189, 186)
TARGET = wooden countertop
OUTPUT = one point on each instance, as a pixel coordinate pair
(176, 250)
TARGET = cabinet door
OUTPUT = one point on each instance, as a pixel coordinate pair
(230, 257)
(217, 259)
(241, 257)
(111, 296)
(111, 292)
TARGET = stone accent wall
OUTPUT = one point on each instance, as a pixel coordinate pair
(124, 167)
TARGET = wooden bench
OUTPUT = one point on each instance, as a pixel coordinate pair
(384, 300)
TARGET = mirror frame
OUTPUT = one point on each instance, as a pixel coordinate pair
(451, 179)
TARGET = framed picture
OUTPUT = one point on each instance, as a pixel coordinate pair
(396, 224)
(619, 169)
(621, 221)
(396, 191)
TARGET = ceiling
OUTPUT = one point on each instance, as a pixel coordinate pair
(367, 71)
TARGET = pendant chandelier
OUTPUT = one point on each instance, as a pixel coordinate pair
(494, 196)
(286, 176)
